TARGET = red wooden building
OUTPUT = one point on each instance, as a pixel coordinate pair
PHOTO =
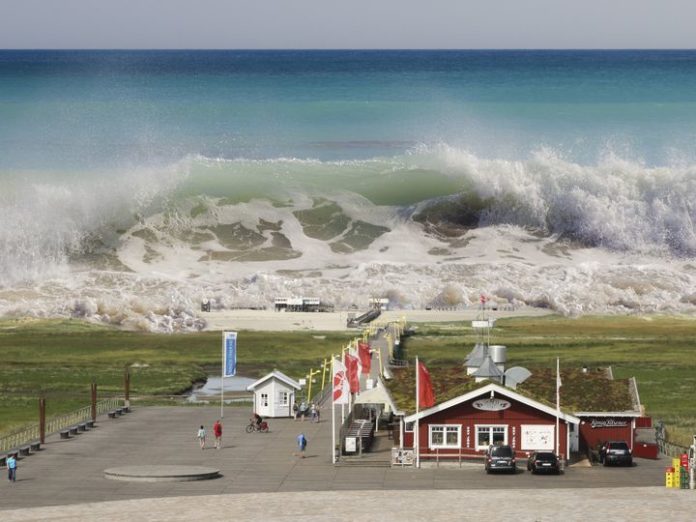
(594, 408)
(493, 414)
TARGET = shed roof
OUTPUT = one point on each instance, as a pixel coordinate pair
(278, 375)
(488, 369)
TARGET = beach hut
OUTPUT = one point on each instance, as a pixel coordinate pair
(274, 395)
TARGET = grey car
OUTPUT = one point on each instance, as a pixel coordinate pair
(500, 458)
(616, 452)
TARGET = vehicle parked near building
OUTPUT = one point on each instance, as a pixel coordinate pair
(500, 458)
(543, 462)
(616, 452)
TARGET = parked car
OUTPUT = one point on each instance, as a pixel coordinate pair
(543, 462)
(500, 458)
(616, 452)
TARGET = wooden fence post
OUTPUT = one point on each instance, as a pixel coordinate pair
(94, 402)
(42, 420)
(126, 386)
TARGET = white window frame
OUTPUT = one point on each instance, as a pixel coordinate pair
(445, 428)
(264, 400)
(409, 426)
(283, 398)
(490, 431)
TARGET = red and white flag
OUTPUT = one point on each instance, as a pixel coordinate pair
(353, 372)
(426, 395)
(365, 358)
(340, 383)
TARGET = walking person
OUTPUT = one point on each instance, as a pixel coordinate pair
(315, 413)
(217, 431)
(11, 468)
(302, 444)
(201, 436)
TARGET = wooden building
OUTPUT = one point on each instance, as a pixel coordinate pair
(469, 416)
(274, 395)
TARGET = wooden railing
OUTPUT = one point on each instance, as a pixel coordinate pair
(30, 432)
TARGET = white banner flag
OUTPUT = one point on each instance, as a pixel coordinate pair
(341, 389)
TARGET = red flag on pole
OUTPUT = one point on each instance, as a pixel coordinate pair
(352, 373)
(340, 383)
(365, 359)
(426, 396)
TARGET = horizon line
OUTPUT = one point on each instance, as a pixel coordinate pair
(352, 49)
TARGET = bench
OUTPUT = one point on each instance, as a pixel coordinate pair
(35, 446)
(73, 430)
(112, 414)
(65, 434)
(82, 426)
(24, 451)
(119, 411)
(90, 424)
(126, 409)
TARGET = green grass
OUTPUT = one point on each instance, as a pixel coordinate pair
(659, 351)
(59, 360)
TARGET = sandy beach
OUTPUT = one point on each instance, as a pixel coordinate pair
(269, 320)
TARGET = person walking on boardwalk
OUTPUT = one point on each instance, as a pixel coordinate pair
(201, 436)
(217, 431)
(11, 468)
(302, 444)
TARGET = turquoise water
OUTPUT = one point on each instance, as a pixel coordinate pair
(84, 109)
(560, 178)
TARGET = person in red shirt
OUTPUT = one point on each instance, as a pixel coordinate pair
(217, 431)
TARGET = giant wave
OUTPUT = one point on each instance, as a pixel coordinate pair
(434, 226)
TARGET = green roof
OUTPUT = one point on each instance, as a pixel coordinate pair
(580, 392)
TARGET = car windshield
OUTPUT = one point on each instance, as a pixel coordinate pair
(501, 451)
(545, 456)
(618, 445)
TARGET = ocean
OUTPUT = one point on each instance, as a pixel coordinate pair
(135, 184)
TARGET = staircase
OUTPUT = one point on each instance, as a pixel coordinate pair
(379, 455)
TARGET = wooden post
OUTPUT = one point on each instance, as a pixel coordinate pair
(94, 401)
(126, 386)
(42, 420)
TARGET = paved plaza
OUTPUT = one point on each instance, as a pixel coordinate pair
(71, 472)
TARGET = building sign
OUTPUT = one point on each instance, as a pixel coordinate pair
(491, 404)
(537, 436)
(609, 423)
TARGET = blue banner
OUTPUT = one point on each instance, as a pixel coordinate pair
(229, 350)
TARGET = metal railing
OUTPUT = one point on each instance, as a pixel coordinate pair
(30, 433)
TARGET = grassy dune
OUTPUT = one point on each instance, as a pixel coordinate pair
(60, 359)
(659, 351)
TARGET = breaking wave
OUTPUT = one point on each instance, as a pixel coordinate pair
(435, 221)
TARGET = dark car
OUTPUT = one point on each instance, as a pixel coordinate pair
(500, 458)
(543, 462)
(616, 452)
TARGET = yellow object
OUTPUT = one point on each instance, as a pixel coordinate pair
(676, 463)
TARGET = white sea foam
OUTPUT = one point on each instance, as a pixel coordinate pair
(613, 237)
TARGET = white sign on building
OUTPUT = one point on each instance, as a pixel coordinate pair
(537, 436)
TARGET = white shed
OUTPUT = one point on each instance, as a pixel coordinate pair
(274, 395)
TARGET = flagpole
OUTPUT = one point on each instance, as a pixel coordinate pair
(333, 416)
(558, 403)
(416, 432)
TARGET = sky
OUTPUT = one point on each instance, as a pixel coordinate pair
(347, 24)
